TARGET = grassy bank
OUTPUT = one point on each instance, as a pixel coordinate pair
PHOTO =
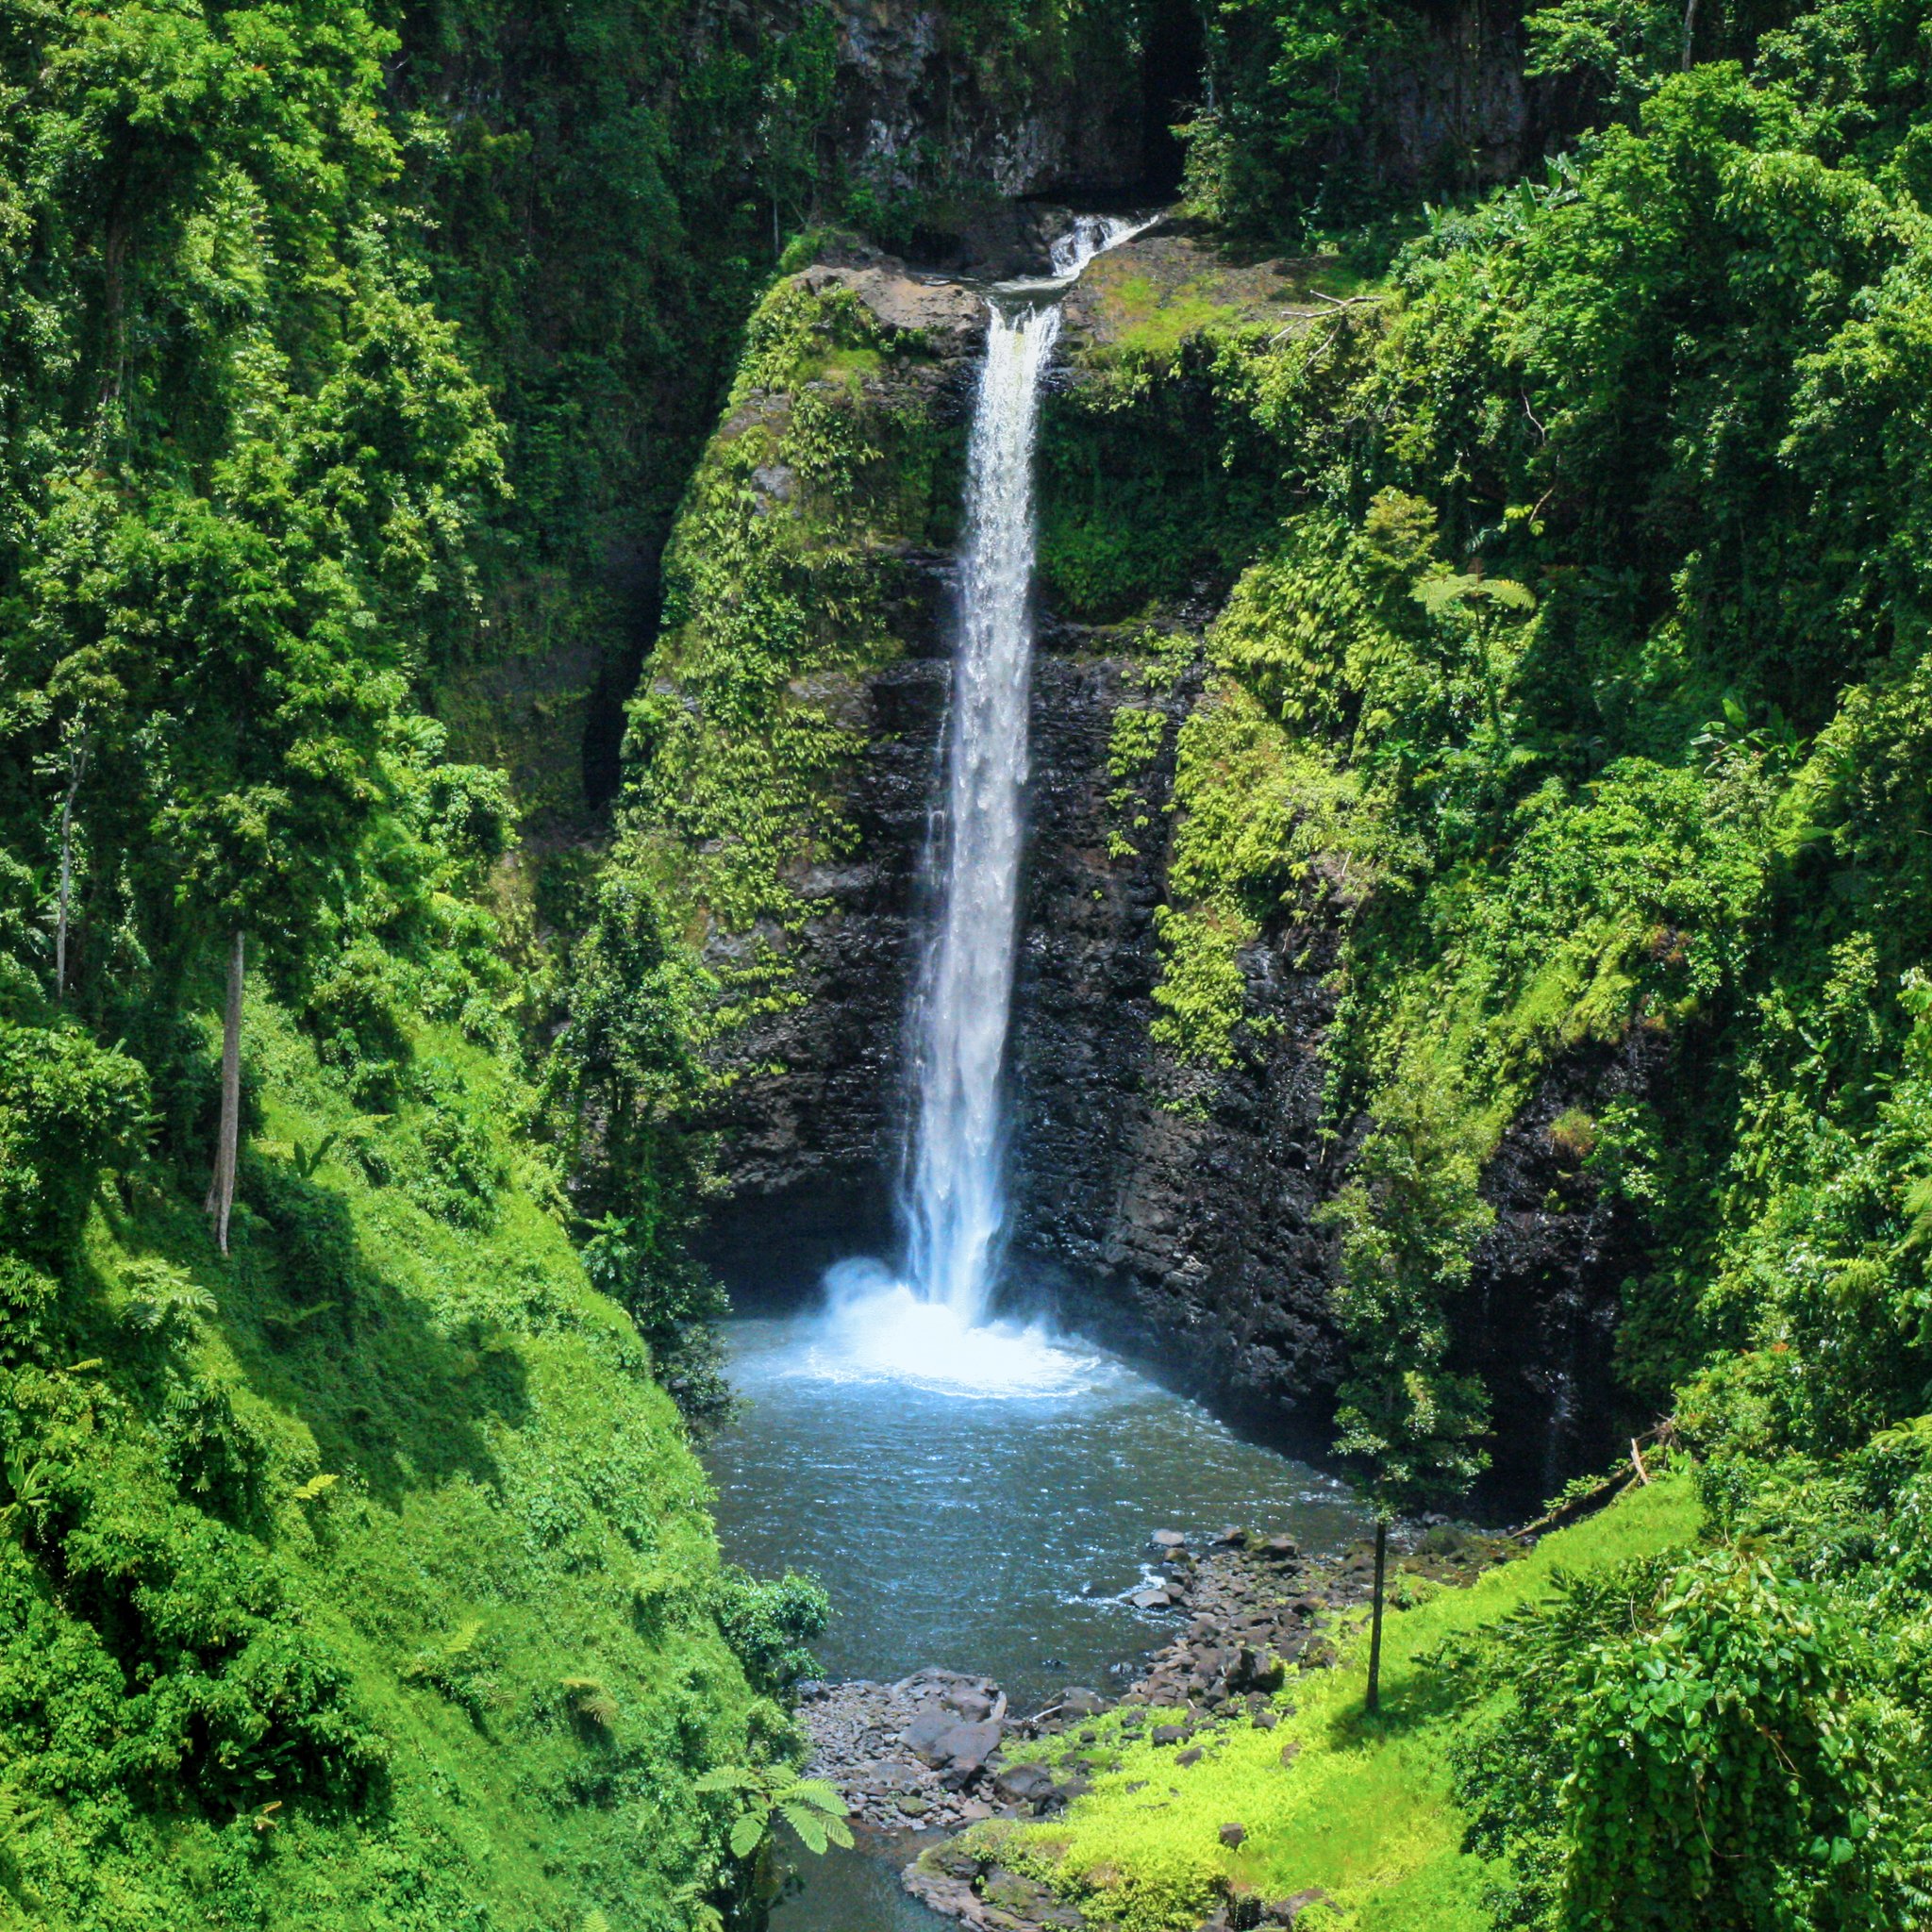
(1360, 1808)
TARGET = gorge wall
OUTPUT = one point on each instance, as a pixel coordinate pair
(1174, 1208)
(931, 126)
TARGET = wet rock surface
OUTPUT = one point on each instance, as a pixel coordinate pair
(930, 1753)
(1185, 1233)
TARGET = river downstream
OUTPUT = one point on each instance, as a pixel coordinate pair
(980, 1500)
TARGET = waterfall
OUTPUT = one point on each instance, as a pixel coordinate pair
(957, 1209)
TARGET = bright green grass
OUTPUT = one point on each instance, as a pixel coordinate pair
(514, 1564)
(1364, 1811)
(1156, 320)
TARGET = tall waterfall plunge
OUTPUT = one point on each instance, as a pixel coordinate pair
(956, 1208)
(929, 1328)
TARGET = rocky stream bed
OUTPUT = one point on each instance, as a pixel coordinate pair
(926, 1757)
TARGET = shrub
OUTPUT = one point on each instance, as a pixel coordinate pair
(769, 1625)
(67, 1107)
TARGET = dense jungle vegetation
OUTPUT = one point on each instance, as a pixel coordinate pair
(355, 1567)
(1585, 679)
(358, 364)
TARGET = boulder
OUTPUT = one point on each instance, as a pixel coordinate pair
(1076, 1702)
(923, 1737)
(1022, 1784)
(1234, 1836)
(1167, 1540)
(964, 1748)
(1255, 1670)
(1169, 1734)
(1190, 1755)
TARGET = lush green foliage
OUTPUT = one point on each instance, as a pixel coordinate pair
(782, 578)
(1716, 1737)
(810, 1806)
(1290, 79)
(363, 1580)
(1363, 1808)
(1591, 656)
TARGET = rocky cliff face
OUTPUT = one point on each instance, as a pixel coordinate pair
(1171, 1210)
(1456, 110)
(1178, 1214)
(922, 101)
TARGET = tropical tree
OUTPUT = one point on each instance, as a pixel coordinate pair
(1408, 1220)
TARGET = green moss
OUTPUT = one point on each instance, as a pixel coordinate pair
(1364, 1809)
(443, 1486)
(1150, 319)
(786, 581)
(1153, 488)
(1267, 825)
(1134, 741)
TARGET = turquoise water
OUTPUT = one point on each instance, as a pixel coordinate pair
(977, 1499)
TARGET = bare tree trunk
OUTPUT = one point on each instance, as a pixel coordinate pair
(1374, 1697)
(1689, 30)
(220, 1191)
(77, 769)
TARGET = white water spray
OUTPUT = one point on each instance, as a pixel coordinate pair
(957, 1208)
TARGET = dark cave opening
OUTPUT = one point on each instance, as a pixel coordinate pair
(1173, 56)
(606, 716)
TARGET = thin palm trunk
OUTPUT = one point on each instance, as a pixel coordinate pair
(221, 1193)
(75, 771)
(1689, 31)
(1375, 1699)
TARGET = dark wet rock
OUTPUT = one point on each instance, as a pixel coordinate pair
(1190, 1755)
(1292, 1910)
(966, 1747)
(1169, 1734)
(1077, 1702)
(1022, 1783)
(923, 1733)
(1232, 1836)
